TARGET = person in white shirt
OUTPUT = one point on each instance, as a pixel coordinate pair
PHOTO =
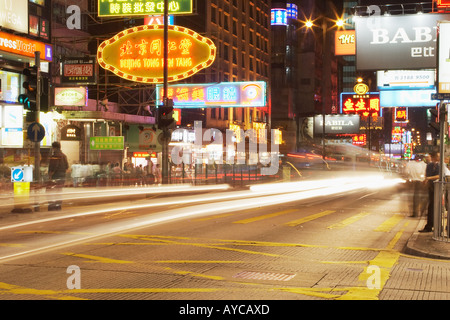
(415, 170)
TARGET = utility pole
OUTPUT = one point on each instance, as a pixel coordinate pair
(37, 145)
(165, 133)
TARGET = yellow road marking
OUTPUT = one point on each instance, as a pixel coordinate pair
(194, 261)
(194, 274)
(309, 218)
(12, 245)
(13, 289)
(96, 258)
(390, 223)
(348, 221)
(215, 217)
(266, 216)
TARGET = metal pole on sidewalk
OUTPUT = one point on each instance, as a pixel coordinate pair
(439, 185)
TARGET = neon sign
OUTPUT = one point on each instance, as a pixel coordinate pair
(401, 114)
(137, 54)
(359, 140)
(364, 105)
(109, 8)
(224, 94)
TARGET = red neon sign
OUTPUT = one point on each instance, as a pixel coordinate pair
(443, 3)
(359, 140)
(401, 114)
(364, 105)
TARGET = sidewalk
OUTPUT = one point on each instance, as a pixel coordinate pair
(423, 244)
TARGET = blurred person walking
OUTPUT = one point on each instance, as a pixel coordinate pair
(415, 170)
(57, 169)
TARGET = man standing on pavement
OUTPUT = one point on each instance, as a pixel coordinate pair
(415, 170)
(431, 175)
(57, 168)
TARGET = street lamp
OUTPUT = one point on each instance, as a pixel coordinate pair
(309, 24)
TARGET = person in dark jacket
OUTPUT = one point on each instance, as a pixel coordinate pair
(57, 168)
(431, 174)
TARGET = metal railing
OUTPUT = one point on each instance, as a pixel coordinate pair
(441, 223)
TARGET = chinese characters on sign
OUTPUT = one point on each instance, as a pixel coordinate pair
(142, 7)
(137, 54)
(401, 114)
(225, 94)
(364, 105)
(359, 140)
(78, 71)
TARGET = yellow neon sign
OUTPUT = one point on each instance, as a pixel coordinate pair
(137, 54)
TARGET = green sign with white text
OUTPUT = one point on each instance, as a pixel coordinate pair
(106, 143)
(109, 8)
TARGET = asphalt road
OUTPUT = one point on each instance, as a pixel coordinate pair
(341, 246)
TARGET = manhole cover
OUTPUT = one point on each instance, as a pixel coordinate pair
(264, 276)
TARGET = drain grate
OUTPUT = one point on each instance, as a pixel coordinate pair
(264, 276)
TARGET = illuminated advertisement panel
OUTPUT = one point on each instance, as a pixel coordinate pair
(71, 96)
(364, 105)
(444, 58)
(225, 94)
(401, 114)
(278, 17)
(406, 79)
(14, 15)
(24, 46)
(443, 3)
(137, 54)
(407, 98)
(109, 8)
(345, 44)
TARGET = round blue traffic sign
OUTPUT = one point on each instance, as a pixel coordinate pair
(17, 175)
(36, 132)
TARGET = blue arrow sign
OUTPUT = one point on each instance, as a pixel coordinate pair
(16, 175)
(36, 132)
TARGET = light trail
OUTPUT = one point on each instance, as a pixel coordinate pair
(243, 200)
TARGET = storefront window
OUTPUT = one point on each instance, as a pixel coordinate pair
(9, 86)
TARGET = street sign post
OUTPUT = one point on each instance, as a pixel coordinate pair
(36, 132)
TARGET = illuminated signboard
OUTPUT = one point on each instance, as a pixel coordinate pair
(364, 105)
(71, 96)
(407, 98)
(14, 15)
(406, 79)
(278, 17)
(359, 140)
(137, 54)
(345, 43)
(149, 20)
(292, 10)
(444, 58)
(24, 46)
(401, 114)
(224, 94)
(108, 8)
(337, 124)
(443, 3)
(76, 70)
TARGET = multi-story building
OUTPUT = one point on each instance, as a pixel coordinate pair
(24, 30)
(304, 68)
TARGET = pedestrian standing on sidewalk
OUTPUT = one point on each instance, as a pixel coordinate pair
(415, 170)
(57, 168)
(431, 175)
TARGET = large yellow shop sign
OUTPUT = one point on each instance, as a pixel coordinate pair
(137, 54)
